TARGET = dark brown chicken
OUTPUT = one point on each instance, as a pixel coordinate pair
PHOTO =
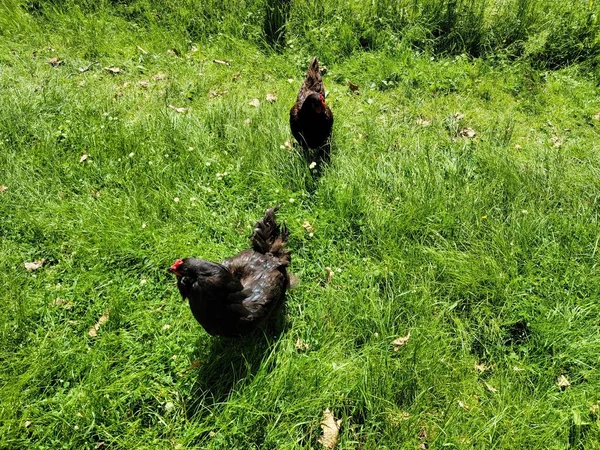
(310, 118)
(236, 296)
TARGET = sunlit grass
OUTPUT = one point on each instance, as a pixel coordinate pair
(483, 246)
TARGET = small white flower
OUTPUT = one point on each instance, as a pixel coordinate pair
(131, 155)
(292, 200)
(143, 281)
(312, 165)
(144, 225)
(176, 199)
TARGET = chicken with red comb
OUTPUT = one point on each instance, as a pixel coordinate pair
(236, 296)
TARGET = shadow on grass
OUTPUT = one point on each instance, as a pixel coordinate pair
(231, 363)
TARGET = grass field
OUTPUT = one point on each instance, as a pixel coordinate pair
(461, 206)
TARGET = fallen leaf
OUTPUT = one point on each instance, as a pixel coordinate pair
(178, 110)
(594, 410)
(62, 302)
(34, 265)
(562, 382)
(27, 423)
(55, 62)
(597, 116)
(143, 84)
(331, 430)
(192, 367)
(83, 157)
(490, 388)
(166, 326)
(301, 345)
(255, 102)
(220, 61)
(247, 121)
(235, 76)
(353, 87)
(481, 367)
(423, 122)
(328, 274)
(291, 80)
(93, 332)
(458, 116)
(400, 342)
(113, 70)
(463, 405)
(312, 165)
(556, 141)
(307, 226)
(271, 98)
(518, 146)
(159, 76)
(423, 437)
(468, 132)
(3, 188)
(216, 93)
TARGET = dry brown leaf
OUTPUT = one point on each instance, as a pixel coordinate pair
(143, 84)
(159, 76)
(556, 141)
(301, 345)
(468, 132)
(490, 388)
(62, 302)
(423, 122)
(458, 116)
(93, 331)
(34, 265)
(255, 102)
(307, 226)
(55, 62)
(400, 342)
(3, 188)
(481, 367)
(331, 430)
(222, 62)
(113, 70)
(216, 93)
(192, 367)
(84, 157)
(235, 76)
(271, 98)
(179, 110)
(563, 382)
(328, 274)
(353, 87)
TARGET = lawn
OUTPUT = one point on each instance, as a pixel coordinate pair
(460, 210)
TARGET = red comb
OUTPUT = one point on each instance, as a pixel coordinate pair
(322, 99)
(176, 265)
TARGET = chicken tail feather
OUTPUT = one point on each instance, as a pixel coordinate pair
(269, 237)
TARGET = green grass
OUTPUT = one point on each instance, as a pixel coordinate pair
(486, 249)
